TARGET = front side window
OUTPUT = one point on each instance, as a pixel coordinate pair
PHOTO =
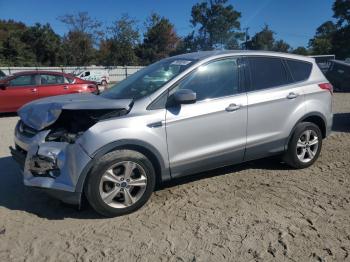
(149, 79)
(47, 79)
(214, 80)
(25, 80)
(267, 72)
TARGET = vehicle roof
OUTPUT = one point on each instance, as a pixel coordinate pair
(41, 72)
(201, 55)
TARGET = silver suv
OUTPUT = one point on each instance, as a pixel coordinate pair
(179, 116)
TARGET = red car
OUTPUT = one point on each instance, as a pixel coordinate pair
(21, 88)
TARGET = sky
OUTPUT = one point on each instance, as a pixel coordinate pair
(294, 21)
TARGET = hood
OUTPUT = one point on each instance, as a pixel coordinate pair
(44, 112)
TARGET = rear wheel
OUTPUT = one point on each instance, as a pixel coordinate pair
(304, 146)
(121, 182)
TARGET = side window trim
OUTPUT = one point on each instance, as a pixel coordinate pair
(168, 90)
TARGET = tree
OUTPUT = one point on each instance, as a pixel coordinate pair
(341, 10)
(281, 46)
(78, 49)
(333, 38)
(81, 41)
(341, 38)
(44, 43)
(83, 23)
(322, 41)
(160, 39)
(263, 40)
(216, 25)
(300, 50)
(119, 49)
(13, 52)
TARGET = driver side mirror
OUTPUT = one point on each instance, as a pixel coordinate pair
(183, 96)
(3, 86)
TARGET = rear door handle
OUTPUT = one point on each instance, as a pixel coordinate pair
(232, 107)
(65, 87)
(33, 90)
(292, 95)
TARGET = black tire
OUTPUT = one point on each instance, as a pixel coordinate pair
(92, 191)
(290, 157)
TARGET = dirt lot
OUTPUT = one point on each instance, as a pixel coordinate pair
(255, 211)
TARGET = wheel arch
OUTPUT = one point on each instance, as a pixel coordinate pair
(313, 117)
(162, 171)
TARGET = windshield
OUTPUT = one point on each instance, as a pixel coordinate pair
(148, 80)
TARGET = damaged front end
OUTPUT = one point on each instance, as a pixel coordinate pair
(46, 135)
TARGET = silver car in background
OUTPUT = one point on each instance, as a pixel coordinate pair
(179, 116)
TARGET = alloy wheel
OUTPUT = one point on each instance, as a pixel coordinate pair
(123, 184)
(307, 146)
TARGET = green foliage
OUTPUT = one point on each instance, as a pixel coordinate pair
(333, 38)
(13, 52)
(44, 43)
(216, 25)
(119, 48)
(263, 40)
(341, 10)
(322, 42)
(78, 49)
(160, 40)
(281, 46)
(80, 43)
(301, 51)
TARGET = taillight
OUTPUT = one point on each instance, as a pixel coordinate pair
(326, 86)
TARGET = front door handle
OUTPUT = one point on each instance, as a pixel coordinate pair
(65, 87)
(34, 90)
(232, 107)
(292, 95)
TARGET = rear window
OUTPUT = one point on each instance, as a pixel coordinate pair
(267, 72)
(300, 70)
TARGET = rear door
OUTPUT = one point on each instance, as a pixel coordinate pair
(273, 103)
(20, 90)
(52, 85)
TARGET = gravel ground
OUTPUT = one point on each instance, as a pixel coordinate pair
(256, 211)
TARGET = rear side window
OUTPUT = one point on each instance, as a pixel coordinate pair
(47, 79)
(267, 72)
(300, 70)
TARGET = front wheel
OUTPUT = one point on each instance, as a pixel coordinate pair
(304, 146)
(120, 183)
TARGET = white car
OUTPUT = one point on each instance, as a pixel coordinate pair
(100, 77)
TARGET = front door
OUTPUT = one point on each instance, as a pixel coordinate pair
(211, 132)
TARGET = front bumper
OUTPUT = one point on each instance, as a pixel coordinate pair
(54, 167)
